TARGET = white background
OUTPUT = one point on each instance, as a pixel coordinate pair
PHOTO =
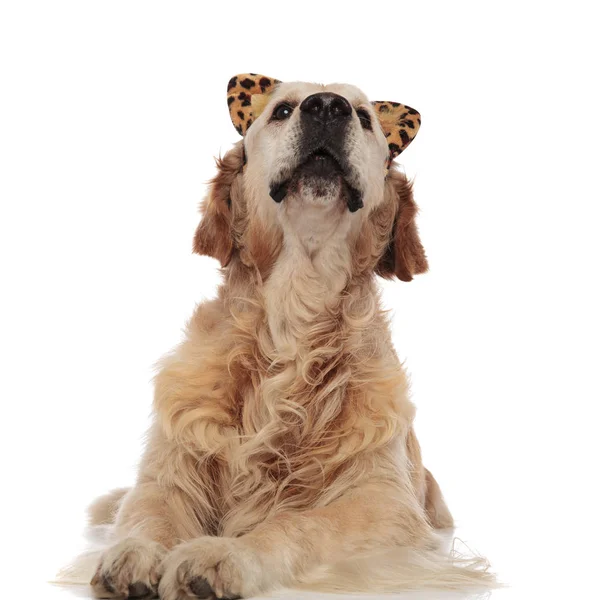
(110, 115)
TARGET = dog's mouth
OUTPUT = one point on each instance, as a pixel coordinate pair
(320, 163)
(321, 169)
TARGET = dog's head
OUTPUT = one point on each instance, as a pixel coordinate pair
(314, 171)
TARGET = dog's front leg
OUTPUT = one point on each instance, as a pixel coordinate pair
(157, 513)
(280, 550)
(150, 521)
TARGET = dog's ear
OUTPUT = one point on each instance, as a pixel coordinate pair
(404, 255)
(247, 95)
(214, 235)
(400, 124)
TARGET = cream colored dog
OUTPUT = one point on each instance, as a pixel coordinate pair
(282, 447)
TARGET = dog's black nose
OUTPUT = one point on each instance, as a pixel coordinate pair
(326, 107)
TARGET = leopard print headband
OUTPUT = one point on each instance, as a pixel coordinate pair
(399, 122)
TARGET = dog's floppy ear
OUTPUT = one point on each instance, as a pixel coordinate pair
(404, 256)
(246, 95)
(400, 124)
(214, 235)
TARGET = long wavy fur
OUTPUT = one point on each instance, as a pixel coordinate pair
(251, 424)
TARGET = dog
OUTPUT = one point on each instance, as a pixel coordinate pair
(282, 451)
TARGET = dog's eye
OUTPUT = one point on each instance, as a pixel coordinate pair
(365, 119)
(282, 112)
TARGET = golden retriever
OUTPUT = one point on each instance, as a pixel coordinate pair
(282, 447)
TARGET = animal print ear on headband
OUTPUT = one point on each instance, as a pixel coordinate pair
(400, 124)
(240, 90)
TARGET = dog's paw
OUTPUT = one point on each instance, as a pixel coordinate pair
(209, 568)
(129, 570)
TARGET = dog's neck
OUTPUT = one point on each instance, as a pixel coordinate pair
(301, 291)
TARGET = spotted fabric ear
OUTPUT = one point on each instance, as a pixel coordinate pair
(400, 124)
(240, 90)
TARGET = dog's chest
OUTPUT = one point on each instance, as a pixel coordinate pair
(284, 456)
(291, 407)
(289, 415)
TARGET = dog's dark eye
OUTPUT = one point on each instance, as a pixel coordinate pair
(282, 112)
(365, 119)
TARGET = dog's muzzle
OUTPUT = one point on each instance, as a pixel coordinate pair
(324, 122)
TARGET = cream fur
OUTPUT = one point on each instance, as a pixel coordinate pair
(282, 451)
